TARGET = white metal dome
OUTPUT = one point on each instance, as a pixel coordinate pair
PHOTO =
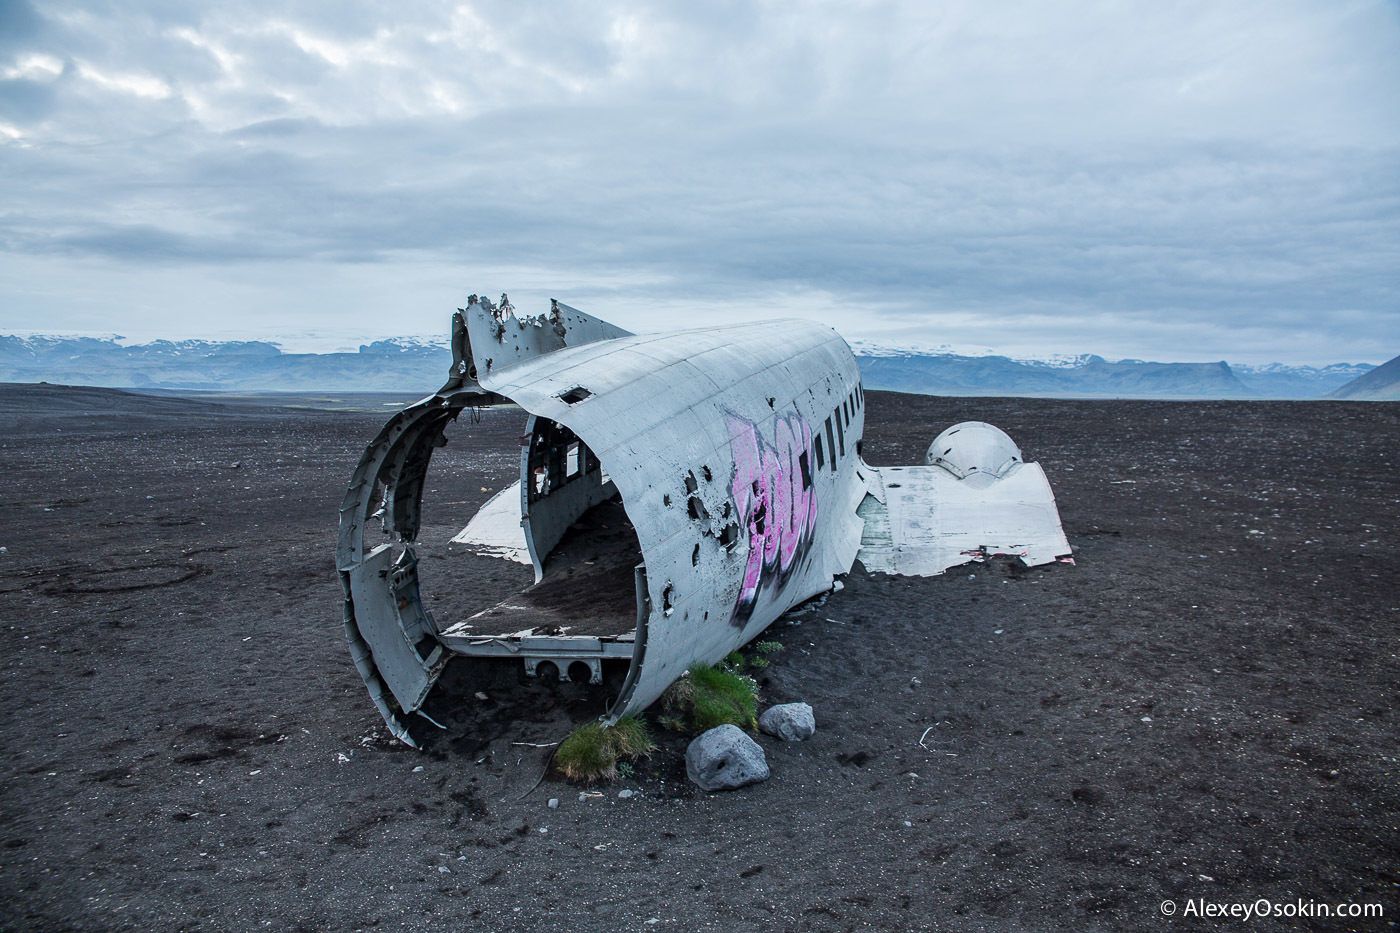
(974, 448)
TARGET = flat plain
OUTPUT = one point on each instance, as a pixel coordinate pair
(1202, 707)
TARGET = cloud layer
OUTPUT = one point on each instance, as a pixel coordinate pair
(1182, 181)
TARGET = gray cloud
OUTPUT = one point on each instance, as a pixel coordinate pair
(1195, 181)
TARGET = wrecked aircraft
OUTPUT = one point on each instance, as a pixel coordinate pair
(732, 456)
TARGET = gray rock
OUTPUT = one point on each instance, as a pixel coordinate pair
(791, 722)
(725, 758)
(554, 803)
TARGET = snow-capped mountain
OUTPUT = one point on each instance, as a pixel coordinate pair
(421, 363)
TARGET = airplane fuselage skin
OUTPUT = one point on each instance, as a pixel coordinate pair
(735, 452)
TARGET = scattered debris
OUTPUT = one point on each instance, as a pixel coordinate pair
(554, 803)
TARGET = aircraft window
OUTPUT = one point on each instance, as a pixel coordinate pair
(806, 470)
(840, 434)
(831, 442)
(575, 395)
(817, 445)
(572, 464)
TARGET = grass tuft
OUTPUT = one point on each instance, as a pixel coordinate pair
(709, 697)
(593, 751)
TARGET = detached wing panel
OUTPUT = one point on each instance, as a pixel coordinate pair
(923, 520)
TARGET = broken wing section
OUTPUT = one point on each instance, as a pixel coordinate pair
(974, 499)
(495, 530)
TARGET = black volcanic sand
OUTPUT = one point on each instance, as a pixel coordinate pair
(1202, 707)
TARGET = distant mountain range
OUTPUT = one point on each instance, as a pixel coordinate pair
(1092, 376)
(421, 365)
(1381, 384)
(382, 366)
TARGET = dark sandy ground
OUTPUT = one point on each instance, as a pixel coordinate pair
(1202, 708)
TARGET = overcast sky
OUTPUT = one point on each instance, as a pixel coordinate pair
(1161, 180)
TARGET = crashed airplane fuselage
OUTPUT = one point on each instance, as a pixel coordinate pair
(734, 453)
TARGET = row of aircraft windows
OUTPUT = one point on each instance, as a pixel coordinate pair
(835, 441)
(835, 438)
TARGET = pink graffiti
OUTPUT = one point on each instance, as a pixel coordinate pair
(776, 505)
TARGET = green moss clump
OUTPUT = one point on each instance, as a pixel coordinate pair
(592, 752)
(709, 697)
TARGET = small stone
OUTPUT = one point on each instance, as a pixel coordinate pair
(791, 722)
(724, 758)
(444, 870)
(909, 824)
(418, 769)
(554, 803)
(1147, 719)
(481, 696)
(625, 794)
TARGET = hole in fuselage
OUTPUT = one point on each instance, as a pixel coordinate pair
(475, 605)
(588, 572)
(589, 585)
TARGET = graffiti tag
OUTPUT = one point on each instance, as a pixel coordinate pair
(777, 509)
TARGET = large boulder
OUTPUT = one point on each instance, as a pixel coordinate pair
(725, 758)
(791, 722)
